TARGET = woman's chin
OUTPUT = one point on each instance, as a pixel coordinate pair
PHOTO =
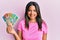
(32, 18)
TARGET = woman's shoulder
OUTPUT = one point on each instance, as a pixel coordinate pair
(44, 24)
(44, 27)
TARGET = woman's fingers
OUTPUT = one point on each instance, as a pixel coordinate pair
(9, 23)
(9, 29)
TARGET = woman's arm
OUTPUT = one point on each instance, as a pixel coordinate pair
(44, 36)
(20, 34)
(16, 36)
(45, 30)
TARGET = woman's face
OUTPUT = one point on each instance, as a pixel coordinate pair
(32, 12)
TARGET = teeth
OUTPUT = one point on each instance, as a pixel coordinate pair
(32, 15)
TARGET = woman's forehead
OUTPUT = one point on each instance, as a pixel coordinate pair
(32, 7)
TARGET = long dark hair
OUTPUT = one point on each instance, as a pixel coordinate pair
(38, 18)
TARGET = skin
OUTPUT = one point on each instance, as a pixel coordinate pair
(10, 30)
(32, 15)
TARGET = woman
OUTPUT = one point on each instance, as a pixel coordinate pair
(32, 27)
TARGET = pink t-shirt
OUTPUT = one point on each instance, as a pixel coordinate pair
(32, 33)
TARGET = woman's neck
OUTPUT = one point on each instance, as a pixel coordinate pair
(33, 21)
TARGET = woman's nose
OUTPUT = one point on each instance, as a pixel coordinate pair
(31, 12)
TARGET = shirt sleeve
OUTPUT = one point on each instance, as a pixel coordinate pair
(44, 27)
(19, 26)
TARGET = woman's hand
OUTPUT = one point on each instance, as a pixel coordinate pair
(10, 30)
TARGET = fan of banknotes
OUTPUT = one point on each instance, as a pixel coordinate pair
(10, 18)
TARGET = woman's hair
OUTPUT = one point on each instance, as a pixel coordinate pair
(38, 18)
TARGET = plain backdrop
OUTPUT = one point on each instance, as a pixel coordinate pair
(50, 11)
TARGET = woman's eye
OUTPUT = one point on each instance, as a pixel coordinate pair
(34, 10)
(29, 10)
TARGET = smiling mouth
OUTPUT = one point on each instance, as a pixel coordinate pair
(32, 15)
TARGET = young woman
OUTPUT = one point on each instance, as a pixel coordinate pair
(32, 27)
